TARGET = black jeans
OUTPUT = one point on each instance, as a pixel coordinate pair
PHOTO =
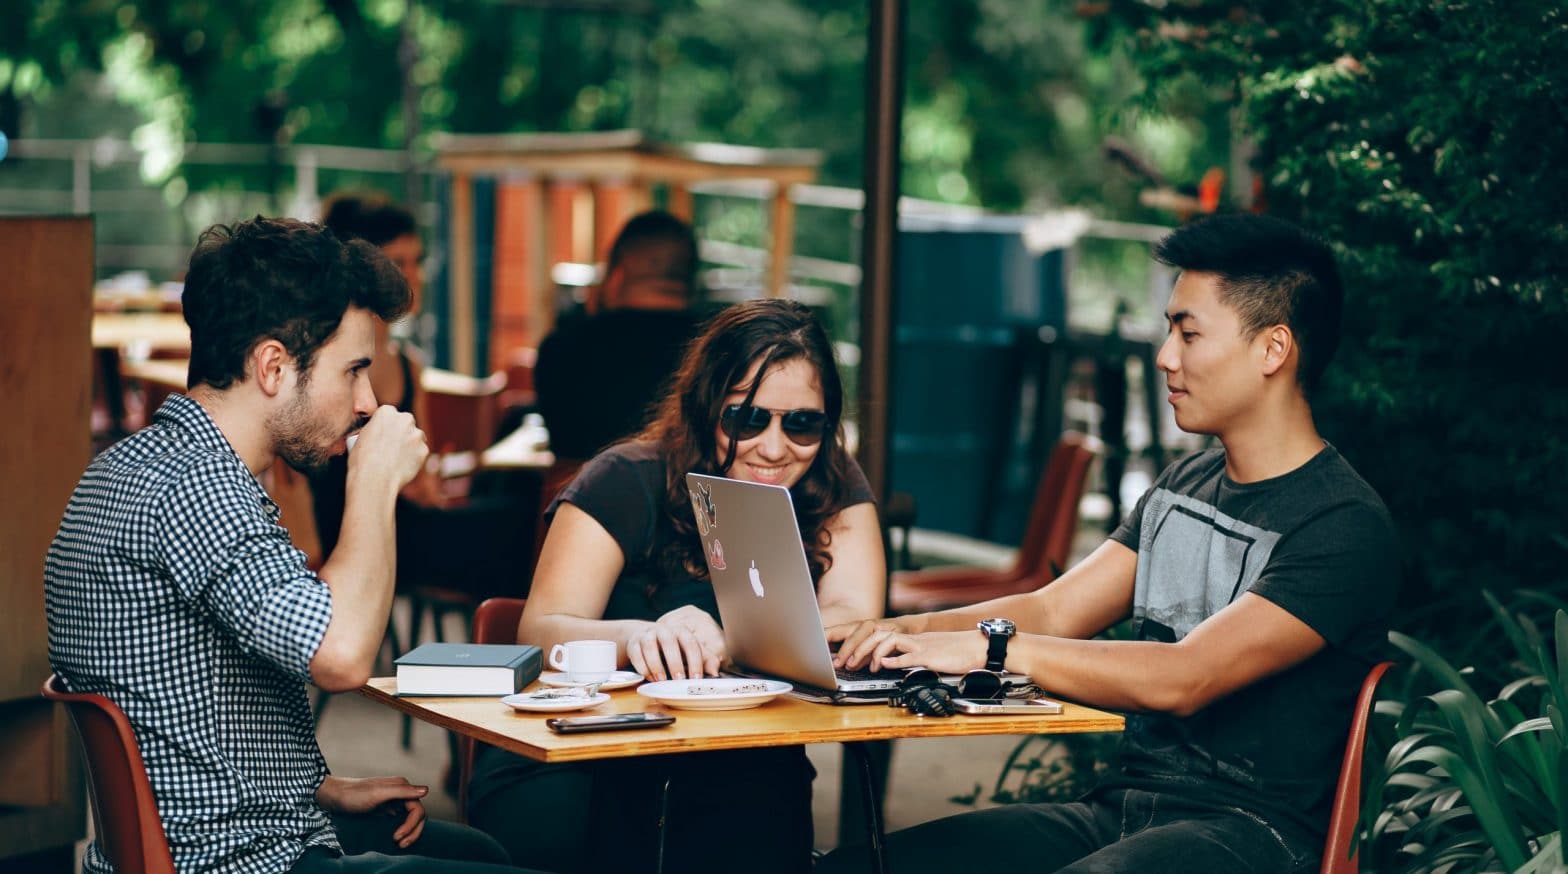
(369, 849)
(1110, 831)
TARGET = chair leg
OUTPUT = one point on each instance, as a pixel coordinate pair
(868, 756)
(864, 775)
(664, 826)
(392, 639)
(416, 616)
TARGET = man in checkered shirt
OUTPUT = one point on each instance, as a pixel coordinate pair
(172, 590)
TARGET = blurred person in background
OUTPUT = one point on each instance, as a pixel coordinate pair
(598, 378)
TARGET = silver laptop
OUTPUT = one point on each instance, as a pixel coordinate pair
(763, 585)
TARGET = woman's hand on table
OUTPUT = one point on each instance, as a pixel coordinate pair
(394, 796)
(684, 643)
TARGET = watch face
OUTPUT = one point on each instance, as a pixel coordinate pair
(998, 626)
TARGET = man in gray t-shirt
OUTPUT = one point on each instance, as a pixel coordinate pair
(1259, 578)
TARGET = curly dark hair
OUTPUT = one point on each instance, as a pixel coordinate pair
(282, 279)
(685, 430)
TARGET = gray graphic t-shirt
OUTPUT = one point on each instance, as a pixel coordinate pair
(1317, 542)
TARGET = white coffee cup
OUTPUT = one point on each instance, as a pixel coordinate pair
(584, 661)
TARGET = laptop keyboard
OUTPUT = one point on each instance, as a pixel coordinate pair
(856, 674)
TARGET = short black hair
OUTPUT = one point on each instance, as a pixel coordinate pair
(281, 279)
(1272, 273)
(369, 217)
(663, 246)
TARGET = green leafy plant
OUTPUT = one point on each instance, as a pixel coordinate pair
(1468, 783)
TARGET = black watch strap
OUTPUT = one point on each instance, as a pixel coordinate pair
(996, 651)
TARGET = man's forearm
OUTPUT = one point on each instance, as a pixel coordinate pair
(1023, 609)
(1121, 675)
(361, 573)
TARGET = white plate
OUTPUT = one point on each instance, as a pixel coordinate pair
(618, 680)
(525, 701)
(715, 693)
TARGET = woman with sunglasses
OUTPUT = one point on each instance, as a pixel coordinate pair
(758, 398)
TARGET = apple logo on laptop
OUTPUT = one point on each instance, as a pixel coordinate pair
(756, 578)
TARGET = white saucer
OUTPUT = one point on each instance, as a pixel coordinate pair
(618, 680)
(714, 693)
(526, 702)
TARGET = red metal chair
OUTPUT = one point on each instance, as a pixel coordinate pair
(1337, 855)
(127, 827)
(1043, 554)
(495, 621)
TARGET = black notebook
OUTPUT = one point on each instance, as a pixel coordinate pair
(467, 669)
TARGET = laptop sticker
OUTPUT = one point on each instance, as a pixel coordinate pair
(716, 555)
(698, 513)
(705, 497)
(756, 577)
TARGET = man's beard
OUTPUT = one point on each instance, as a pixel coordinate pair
(303, 444)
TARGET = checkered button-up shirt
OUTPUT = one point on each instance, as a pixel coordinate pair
(172, 590)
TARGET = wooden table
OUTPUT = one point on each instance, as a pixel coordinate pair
(519, 450)
(163, 331)
(141, 332)
(784, 721)
(166, 373)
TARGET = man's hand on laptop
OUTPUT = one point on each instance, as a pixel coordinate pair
(856, 639)
(946, 652)
(685, 643)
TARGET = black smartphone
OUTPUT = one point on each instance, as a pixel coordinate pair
(614, 722)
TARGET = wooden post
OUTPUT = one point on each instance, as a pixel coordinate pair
(783, 227)
(680, 201)
(460, 304)
(541, 288)
(582, 224)
(613, 204)
(45, 444)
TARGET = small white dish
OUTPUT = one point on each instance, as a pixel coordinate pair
(530, 703)
(714, 693)
(618, 680)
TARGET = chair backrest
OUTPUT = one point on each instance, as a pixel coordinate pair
(127, 827)
(1053, 519)
(495, 621)
(1337, 855)
(462, 411)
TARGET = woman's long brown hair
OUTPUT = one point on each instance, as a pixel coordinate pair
(686, 427)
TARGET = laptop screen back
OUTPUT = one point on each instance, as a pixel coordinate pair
(761, 579)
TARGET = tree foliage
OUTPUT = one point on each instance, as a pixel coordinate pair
(1007, 102)
(1424, 137)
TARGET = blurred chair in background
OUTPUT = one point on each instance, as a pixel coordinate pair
(1042, 556)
